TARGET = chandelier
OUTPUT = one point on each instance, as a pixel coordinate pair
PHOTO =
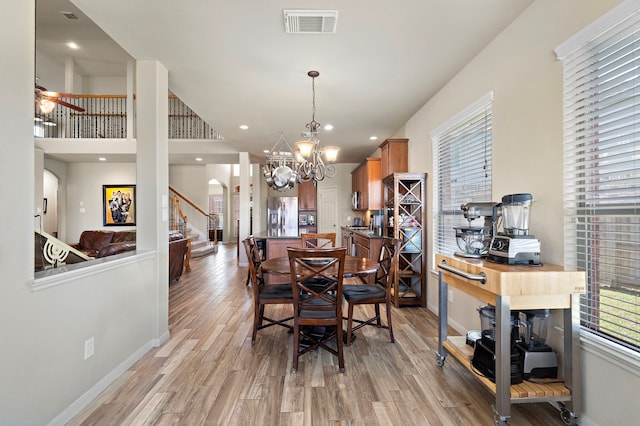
(285, 167)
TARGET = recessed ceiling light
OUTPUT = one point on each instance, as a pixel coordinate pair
(198, 159)
(328, 127)
(373, 138)
(102, 159)
(244, 126)
(72, 45)
(266, 151)
(49, 123)
(37, 119)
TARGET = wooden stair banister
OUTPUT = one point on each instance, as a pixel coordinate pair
(196, 208)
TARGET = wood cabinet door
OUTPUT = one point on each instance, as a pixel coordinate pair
(395, 156)
(306, 196)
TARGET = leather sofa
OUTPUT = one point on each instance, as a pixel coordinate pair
(178, 247)
(101, 243)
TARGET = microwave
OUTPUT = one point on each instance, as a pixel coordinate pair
(355, 200)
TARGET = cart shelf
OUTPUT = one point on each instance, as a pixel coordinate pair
(552, 389)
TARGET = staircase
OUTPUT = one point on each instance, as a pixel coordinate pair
(199, 244)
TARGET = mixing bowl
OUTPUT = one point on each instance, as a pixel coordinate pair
(474, 242)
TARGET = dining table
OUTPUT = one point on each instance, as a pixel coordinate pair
(353, 266)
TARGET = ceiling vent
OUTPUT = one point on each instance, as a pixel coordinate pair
(310, 21)
(69, 15)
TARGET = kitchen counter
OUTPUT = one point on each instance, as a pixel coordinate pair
(360, 230)
(277, 234)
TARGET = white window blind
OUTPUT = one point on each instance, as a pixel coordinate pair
(462, 169)
(602, 172)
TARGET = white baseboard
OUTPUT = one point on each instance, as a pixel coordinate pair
(77, 406)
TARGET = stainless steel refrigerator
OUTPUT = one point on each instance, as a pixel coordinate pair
(282, 216)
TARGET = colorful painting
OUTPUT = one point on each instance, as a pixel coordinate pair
(119, 205)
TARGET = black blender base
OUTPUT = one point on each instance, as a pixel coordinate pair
(484, 360)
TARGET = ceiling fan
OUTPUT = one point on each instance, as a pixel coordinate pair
(46, 100)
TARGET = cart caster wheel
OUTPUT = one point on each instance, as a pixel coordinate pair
(568, 418)
(500, 420)
(440, 359)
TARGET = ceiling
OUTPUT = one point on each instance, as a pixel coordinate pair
(233, 63)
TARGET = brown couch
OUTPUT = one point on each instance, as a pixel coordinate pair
(178, 247)
(101, 243)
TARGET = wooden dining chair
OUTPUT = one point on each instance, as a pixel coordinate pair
(255, 254)
(323, 240)
(317, 306)
(264, 293)
(374, 294)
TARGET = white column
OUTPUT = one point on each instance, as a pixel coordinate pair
(152, 188)
(131, 81)
(243, 232)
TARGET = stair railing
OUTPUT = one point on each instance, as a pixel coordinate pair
(210, 221)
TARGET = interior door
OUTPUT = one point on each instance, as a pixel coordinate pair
(328, 210)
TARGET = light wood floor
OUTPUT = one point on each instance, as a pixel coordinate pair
(208, 372)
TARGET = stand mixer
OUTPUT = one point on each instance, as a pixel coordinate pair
(515, 246)
(474, 241)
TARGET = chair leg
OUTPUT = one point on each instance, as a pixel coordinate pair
(377, 310)
(248, 278)
(296, 346)
(349, 323)
(339, 347)
(257, 320)
(388, 306)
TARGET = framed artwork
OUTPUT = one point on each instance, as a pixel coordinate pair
(119, 205)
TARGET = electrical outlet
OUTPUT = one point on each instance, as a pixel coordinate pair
(450, 296)
(88, 348)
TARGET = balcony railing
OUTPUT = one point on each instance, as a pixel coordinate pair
(105, 116)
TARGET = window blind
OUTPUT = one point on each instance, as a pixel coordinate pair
(462, 156)
(602, 176)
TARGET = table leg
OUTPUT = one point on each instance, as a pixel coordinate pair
(503, 358)
(442, 319)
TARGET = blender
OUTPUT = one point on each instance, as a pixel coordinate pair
(514, 246)
(537, 359)
(474, 241)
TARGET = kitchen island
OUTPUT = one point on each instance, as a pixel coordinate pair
(275, 243)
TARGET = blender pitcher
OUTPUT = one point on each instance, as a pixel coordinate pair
(516, 209)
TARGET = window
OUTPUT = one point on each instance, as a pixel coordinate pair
(602, 170)
(462, 169)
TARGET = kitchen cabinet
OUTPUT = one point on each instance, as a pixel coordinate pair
(394, 156)
(306, 196)
(509, 287)
(366, 180)
(405, 218)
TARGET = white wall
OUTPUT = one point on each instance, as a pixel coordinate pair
(193, 183)
(50, 193)
(84, 194)
(59, 169)
(105, 85)
(43, 332)
(519, 66)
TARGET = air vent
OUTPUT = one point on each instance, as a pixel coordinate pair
(69, 15)
(310, 21)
